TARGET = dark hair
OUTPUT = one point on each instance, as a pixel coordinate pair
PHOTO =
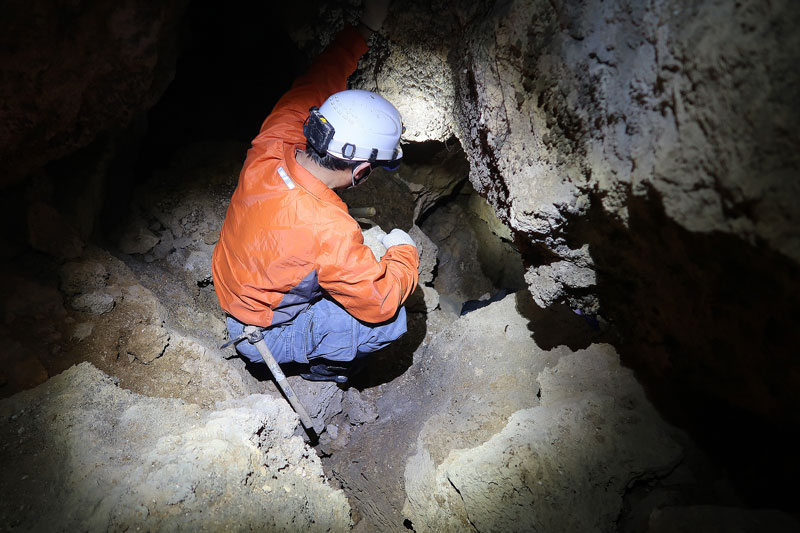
(328, 161)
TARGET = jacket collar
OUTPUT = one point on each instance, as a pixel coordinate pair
(306, 180)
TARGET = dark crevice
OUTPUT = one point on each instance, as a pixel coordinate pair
(699, 316)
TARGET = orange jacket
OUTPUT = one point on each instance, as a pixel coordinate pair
(287, 236)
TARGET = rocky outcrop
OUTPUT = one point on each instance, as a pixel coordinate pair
(80, 453)
(592, 428)
(644, 159)
(488, 430)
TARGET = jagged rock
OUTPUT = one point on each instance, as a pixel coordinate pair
(428, 254)
(424, 299)
(79, 277)
(485, 212)
(121, 461)
(356, 409)
(146, 343)
(435, 180)
(95, 302)
(593, 428)
(322, 400)
(549, 283)
(472, 261)
(198, 264)
(646, 142)
(462, 388)
(146, 336)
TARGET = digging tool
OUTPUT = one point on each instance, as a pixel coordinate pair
(255, 336)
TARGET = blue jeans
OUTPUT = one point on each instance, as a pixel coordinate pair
(322, 330)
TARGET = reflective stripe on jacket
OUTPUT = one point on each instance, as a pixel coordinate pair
(287, 236)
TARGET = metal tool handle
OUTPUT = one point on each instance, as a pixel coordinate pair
(280, 379)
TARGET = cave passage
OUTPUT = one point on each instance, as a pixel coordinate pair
(582, 336)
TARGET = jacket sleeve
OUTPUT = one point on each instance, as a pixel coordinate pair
(327, 75)
(370, 290)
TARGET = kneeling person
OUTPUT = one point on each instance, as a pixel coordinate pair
(290, 258)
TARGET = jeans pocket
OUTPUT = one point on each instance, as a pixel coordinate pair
(332, 337)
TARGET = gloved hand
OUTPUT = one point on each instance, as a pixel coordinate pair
(396, 237)
(374, 13)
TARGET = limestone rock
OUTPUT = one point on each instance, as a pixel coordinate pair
(435, 180)
(165, 245)
(322, 400)
(198, 264)
(593, 428)
(372, 239)
(647, 142)
(549, 283)
(428, 254)
(95, 302)
(424, 299)
(146, 336)
(356, 409)
(485, 212)
(155, 463)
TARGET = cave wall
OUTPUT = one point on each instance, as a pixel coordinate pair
(642, 154)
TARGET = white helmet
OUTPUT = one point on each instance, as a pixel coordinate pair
(367, 126)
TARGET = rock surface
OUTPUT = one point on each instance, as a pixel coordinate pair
(79, 453)
(642, 155)
(472, 434)
(593, 428)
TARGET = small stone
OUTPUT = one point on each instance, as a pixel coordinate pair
(96, 303)
(356, 409)
(332, 430)
(211, 237)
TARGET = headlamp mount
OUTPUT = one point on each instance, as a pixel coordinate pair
(318, 130)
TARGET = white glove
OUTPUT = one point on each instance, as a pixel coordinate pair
(374, 13)
(397, 237)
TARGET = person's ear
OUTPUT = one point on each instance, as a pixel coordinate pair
(359, 170)
(361, 173)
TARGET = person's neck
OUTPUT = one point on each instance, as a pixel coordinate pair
(331, 178)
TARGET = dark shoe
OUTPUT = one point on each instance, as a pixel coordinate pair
(323, 372)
